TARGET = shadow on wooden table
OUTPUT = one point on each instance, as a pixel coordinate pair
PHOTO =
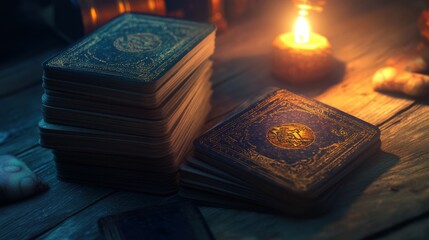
(420, 100)
(248, 77)
(353, 186)
(361, 178)
(318, 86)
(354, 197)
(250, 74)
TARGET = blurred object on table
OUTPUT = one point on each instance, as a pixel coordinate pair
(25, 33)
(33, 26)
(423, 23)
(206, 11)
(236, 10)
(305, 5)
(17, 181)
(74, 18)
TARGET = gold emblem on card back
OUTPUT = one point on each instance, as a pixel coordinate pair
(291, 136)
(138, 42)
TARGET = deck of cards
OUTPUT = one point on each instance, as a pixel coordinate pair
(284, 153)
(123, 105)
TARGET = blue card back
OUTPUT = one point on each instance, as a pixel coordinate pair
(131, 48)
(289, 141)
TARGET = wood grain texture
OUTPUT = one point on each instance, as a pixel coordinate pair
(413, 231)
(26, 73)
(390, 188)
(354, 95)
(19, 115)
(242, 60)
(383, 192)
(84, 224)
(32, 217)
(29, 218)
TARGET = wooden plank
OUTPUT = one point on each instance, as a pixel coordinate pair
(414, 230)
(18, 118)
(251, 55)
(388, 189)
(84, 224)
(26, 73)
(18, 126)
(375, 37)
(235, 218)
(363, 50)
(34, 216)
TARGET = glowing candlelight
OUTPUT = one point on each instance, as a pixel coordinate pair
(301, 56)
(302, 30)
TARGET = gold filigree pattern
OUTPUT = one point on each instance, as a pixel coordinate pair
(310, 169)
(291, 136)
(147, 47)
(137, 42)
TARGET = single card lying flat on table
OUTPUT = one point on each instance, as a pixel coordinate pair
(285, 151)
(180, 220)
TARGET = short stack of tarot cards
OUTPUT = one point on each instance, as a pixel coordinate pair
(283, 153)
(122, 106)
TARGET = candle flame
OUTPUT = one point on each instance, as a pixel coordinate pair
(302, 30)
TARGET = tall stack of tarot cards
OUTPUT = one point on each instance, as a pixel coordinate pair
(122, 106)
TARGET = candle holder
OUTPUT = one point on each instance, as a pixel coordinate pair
(301, 56)
(301, 63)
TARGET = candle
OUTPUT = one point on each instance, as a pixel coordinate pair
(301, 56)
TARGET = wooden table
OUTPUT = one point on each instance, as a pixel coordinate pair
(387, 197)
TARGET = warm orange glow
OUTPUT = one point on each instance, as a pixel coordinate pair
(93, 15)
(315, 42)
(303, 12)
(302, 30)
(152, 5)
(121, 7)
